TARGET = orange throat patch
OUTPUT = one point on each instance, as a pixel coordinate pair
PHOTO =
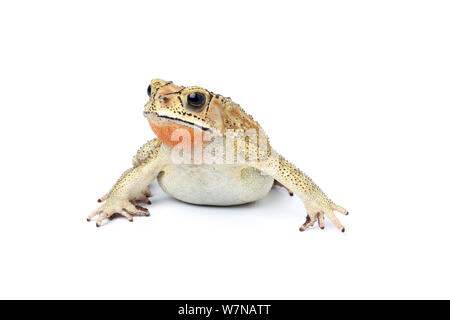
(173, 134)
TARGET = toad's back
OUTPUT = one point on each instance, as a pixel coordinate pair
(217, 185)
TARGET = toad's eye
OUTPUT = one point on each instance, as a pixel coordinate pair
(196, 100)
(149, 90)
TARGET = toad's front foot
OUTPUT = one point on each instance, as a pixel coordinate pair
(143, 197)
(117, 206)
(317, 213)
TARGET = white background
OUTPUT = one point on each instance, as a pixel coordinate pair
(355, 93)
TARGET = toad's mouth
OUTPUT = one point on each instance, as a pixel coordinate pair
(151, 116)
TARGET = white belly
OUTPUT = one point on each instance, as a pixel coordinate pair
(214, 185)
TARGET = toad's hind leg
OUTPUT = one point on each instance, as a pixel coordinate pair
(277, 183)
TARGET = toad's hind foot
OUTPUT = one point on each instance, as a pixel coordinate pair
(276, 183)
(114, 207)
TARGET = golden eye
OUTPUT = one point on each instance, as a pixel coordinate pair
(196, 99)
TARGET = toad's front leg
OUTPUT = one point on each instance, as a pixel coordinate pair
(317, 204)
(131, 188)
